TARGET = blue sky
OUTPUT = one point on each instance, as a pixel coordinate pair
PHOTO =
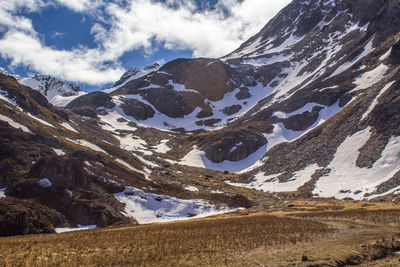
(92, 42)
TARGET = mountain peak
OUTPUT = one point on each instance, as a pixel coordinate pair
(135, 73)
(56, 91)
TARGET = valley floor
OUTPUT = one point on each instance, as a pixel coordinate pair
(309, 233)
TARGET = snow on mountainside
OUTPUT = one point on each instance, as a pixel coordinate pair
(309, 105)
(4, 71)
(309, 63)
(78, 172)
(132, 74)
(57, 92)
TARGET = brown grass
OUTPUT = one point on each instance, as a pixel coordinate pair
(368, 216)
(202, 242)
(358, 234)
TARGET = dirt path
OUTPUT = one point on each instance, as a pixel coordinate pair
(351, 243)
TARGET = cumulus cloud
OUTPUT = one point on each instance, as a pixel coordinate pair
(128, 25)
(9, 17)
(179, 25)
(79, 65)
(80, 5)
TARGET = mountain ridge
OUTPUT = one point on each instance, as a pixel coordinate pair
(308, 107)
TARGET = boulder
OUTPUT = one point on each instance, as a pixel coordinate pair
(22, 217)
(137, 109)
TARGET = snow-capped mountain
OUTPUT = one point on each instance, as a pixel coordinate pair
(131, 74)
(135, 73)
(57, 92)
(309, 105)
(4, 71)
(314, 60)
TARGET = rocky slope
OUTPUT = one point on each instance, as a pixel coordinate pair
(309, 105)
(57, 92)
(59, 170)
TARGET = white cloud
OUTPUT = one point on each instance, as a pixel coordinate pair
(80, 5)
(8, 17)
(209, 33)
(138, 24)
(79, 65)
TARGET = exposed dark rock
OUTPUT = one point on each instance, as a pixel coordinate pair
(87, 105)
(204, 114)
(231, 109)
(232, 145)
(301, 122)
(243, 94)
(137, 109)
(395, 54)
(92, 208)
(168, 102)
(207, 76)
(63, 172)
(209, 123)
(21, 217)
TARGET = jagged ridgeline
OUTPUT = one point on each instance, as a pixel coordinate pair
(309, 105)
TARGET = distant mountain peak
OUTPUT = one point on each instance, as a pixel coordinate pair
(57, 92)
(135, 73)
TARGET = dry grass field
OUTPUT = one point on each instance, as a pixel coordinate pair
(367, 235)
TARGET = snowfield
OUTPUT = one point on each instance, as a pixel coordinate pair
(270, 183)
(150, 208)
(348, 180)
(2, 192)
(14, 124)
(87, 144)
(345, 179)
(80, 227)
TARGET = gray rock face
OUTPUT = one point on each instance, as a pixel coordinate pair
(87, 105)
(395, 54)
(231, 109)
(137, 109)
(301, 122)
(22, 217)
(232, 145)
(243, 93)
(168, 102)
(63, 172)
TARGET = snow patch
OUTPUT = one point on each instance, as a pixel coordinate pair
(369, 78)
(40, 120)
(68, 127)
(45, 183)
(111, 123)
(4, 96)
(149, 208)
(271, 183)
(14, 124)
(282, 135)
(162, 147)
(146, 175)
(80, 227)
(306, 108)
(375, 102)
(62, 101)
(59, 152)
(192, 188)
(348, 180)
(386, 55)
(194, 158)
(367, 50)
(2, 192)
(131, 142)
(87, 144)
